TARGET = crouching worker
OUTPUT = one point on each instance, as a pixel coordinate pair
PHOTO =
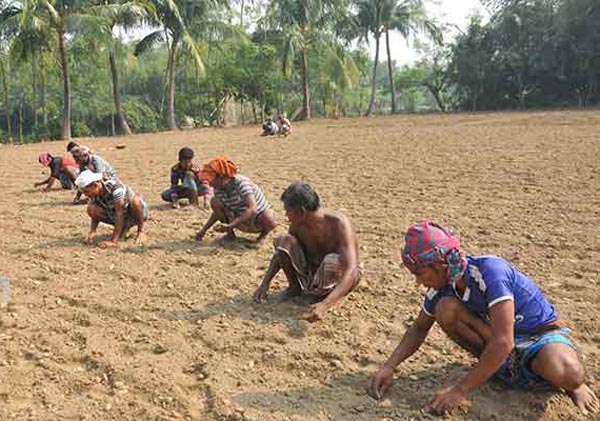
(186, 182)
(113, 203)
(270, 127)
(285, 125)
(64, 170)
(491, 310)
(238, 203)
(319, 254)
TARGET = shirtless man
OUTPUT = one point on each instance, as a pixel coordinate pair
(113, 203)
(319, 255)
(491, 310)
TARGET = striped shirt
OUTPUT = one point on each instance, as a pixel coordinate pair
(233, 195)
(99, 165)
(114, 191)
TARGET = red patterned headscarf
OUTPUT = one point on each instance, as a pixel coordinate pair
(427, 242)
(45, 158)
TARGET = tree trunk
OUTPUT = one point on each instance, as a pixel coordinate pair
(306, 93)
(390, 70)
(242, 14)
(116, 94)
(242, 111)
(6, 103)
(20, 111)
(254, 113)
(34, 86)
(171, 122)
(43, 93)
(374, 81)
(65, 131)
(435, 92)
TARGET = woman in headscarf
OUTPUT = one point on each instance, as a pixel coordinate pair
(238, 203)
(493, 311)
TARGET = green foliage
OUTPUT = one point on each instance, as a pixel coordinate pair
(303, 57)
(140, 116)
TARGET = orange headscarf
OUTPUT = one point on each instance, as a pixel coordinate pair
(218, 166)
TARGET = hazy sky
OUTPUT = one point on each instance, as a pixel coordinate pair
(456, 12)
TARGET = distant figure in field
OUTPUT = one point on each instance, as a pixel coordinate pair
(238, 203)
(88, 161)
(64, 170)
(491, 310)
(113, 203)
(319, 254)
(285, 126)
(186, 182)
(270, 127)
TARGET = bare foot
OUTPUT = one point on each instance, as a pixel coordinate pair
(262, 236)
(286, 295)
(227, 238)
(585, 399)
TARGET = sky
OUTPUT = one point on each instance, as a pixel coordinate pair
(456, 12)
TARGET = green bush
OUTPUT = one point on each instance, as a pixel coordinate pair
(80, 129)
(140, 116)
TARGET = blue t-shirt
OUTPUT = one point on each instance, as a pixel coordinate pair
(490, 280)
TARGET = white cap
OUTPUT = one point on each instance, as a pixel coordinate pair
(86, 178)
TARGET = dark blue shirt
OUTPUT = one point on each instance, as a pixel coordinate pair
(490, 280)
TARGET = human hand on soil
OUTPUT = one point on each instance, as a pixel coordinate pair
(444, 400)
(200, 235)
(260, 294)
(381, 382)
(140, 238)
(90, 237)
(314, 313)
(107, 244)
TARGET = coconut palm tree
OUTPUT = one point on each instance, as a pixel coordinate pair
(307, 24)
(408, 17)
(173, 19)
(379, 17)
(127, 16)
(62, 17)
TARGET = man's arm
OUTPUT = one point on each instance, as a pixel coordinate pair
(119, 224)
(211, 221)
(496, 351)
(49, 181)
(174, 178)
(274, 267)
(93, 228)
(411, 341)
(247, 215)
(349, 266)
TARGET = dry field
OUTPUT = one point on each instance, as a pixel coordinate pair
(169, 331)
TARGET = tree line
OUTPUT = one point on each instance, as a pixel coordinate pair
(112, 67)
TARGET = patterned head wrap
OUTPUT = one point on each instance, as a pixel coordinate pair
(427, 242)
(45, 158)
(218, 166)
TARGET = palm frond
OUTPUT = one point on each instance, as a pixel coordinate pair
(149, 41)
